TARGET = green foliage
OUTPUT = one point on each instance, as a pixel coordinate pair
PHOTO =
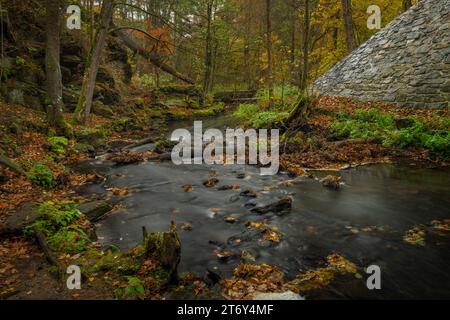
(53, 216)
(164, 145)
(58, 144)
(20, 61)
(40, 174)
(148, 80)
(71, 239)
(284, 95)
(433, 134)
(268, 119)
(246, 111)
(125, 124)
(133, 290)
(251, 114)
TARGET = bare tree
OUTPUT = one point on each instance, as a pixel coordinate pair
(83, 109)
(52, 66)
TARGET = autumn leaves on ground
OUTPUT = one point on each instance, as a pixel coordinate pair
(68, 95)
(51, 183)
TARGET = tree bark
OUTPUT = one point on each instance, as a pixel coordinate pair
(293, 38)
(306, 38)
(208, 49)
(348, 25)
(53, 68)
(270, 84)
(154, 58)
(83, 109)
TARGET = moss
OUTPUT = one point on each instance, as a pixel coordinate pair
(53, 216)
(164, 145)
(125, 124)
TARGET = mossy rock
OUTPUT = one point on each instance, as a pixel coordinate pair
(100, 109)
(95, 210)
(83, 148)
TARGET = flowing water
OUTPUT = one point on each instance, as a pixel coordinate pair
(321, 221)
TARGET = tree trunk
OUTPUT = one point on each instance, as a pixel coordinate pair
(208, 51)
(269, 53)
(348, 24)
(293, 38)
(306, 38)
(83, 109)
(53, 68)
(154, 58)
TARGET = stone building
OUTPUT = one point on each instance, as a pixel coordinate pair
(406, 63)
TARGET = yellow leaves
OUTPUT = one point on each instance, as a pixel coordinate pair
(186, 226)
(322, 277)
(187, 188)
(230, 219)
(415, 236)
(341, 264)
(310, 280)
(249, 278)
(443, 225)
(122, 192)
(210, 182)
(223, 254)
(256, 224)
(271, 235)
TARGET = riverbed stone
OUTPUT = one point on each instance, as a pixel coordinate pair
(279, 207)
(95, 210)
(412, 51)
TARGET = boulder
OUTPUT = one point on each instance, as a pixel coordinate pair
(278, 207)
(23, 215)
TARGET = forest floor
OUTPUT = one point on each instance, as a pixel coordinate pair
(325, 150)
(24, 271)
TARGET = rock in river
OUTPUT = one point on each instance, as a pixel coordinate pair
(278, 207)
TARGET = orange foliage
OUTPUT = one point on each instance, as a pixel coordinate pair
(160, 41)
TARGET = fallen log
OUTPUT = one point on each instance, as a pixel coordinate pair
(5, 161)
(139, 143)
(151, 56)
(233, 96)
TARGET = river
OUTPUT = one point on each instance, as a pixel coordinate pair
(387, 198)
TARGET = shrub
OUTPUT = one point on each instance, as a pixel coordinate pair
(268, 119)
(58, 144)
(246, 111)
(70, 240)
(432, 134)
(41, 175)
(53, 216)
(251, 114)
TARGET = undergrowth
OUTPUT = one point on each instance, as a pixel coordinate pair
(432, 134)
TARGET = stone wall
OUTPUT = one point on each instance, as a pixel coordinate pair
(406, 63)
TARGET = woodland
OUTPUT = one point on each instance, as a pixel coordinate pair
(89, 93)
